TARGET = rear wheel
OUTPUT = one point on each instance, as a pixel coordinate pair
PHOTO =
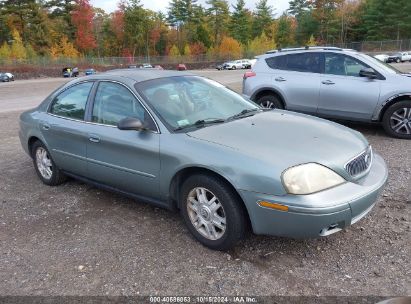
(44, 165)
(397, 120)
(212, 212)
(397, 60)
(270, 101)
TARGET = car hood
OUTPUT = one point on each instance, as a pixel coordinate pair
(287, 137)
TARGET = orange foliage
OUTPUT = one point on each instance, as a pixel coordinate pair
(229, 47)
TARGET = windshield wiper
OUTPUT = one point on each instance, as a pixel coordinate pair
(244, 112)
(201, 123)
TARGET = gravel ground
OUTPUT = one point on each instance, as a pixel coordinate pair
(78, 240)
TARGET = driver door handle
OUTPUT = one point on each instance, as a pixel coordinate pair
(328, 82)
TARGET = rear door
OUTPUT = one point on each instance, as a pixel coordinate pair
(126, 160)
(297, 77)
(64, 128)
(344, 94)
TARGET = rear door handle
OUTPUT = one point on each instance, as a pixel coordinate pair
(46, 126)
(328, 82)
(94, 138)
(280, 79)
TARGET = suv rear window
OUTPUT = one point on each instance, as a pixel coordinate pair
(301, 62)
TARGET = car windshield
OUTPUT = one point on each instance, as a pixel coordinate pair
(384, 66)
(182, 102)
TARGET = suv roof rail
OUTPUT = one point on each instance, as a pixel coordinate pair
(331, 48)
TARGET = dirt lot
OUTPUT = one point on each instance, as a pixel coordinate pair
(78, 240)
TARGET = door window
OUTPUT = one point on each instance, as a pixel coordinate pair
(114, 102)
(304, 62)
(71, 103)
(338, 64)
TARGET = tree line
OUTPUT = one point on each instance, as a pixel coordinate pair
(72, 28)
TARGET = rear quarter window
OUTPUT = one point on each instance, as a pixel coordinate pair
(277, 62)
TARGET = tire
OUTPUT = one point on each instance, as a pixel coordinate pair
(397, 60)
(270, 101)
(54, 176)
(234, 67)
(227, 207)
(397, 120)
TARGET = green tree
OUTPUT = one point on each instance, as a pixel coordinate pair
(240, 23)
(137, 24)
(386, 19)
(299, 7)
(263, 17)
(219, 17)
(284, 35)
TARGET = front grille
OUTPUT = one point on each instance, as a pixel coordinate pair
(360, 163)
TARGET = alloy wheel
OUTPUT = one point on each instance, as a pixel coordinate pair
(400, 121)
(43, 163)
(268, 104)
(206, 213)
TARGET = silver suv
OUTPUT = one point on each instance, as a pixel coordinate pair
(334, 83)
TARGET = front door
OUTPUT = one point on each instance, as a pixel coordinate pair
(344, 94)
(126, 160)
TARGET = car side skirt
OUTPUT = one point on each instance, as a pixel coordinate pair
(152, 201)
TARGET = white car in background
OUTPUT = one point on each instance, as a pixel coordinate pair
(234, 65)
(238, 64)
(382, 57)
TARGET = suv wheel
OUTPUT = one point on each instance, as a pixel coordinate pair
(44, 165)
(270, 101)
(212, 212)
(397, 120)
(398, 60)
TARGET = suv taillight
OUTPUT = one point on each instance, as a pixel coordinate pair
(249, 74)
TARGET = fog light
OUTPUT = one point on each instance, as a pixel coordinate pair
(272, 206)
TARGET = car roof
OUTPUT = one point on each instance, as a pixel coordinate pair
(139, 75)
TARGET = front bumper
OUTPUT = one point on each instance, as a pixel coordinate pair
(318, 214)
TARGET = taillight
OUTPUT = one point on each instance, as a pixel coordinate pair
(249, 74)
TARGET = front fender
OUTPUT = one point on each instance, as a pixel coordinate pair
(387, 102)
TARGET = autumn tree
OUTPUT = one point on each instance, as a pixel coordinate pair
(5, 51)
(261, 44)
(197, 48)
(82, 19)
(229, 48)
(18, 51)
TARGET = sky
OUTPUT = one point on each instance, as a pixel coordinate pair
(161, 5)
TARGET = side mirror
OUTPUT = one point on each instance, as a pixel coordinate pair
(369, 73)
(130, 123)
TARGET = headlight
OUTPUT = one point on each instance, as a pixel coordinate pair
(310, 178)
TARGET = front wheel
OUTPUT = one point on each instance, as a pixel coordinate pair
(44, 165)
(398, 61)
(212, 212)
(397, 120)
